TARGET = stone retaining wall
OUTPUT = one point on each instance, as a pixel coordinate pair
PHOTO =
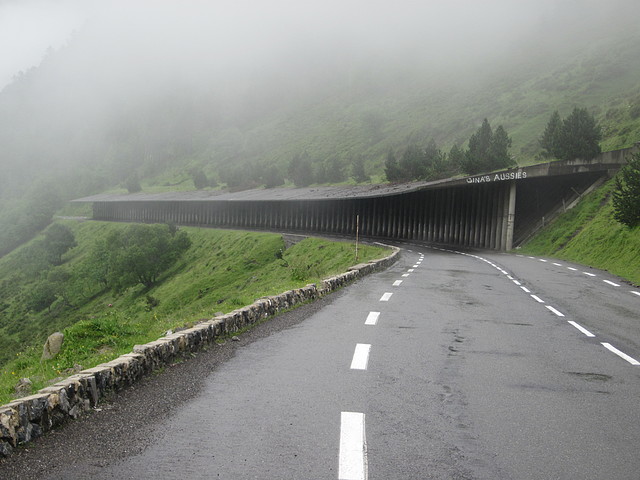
(30, 417)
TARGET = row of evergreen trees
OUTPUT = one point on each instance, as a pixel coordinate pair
(576, 136)
(488, 150)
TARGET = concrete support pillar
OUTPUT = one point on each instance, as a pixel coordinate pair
(510, 211)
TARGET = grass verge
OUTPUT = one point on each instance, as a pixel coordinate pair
(589, 235)
(221, 271)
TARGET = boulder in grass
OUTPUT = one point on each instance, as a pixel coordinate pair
(52, 346)
(23, 387)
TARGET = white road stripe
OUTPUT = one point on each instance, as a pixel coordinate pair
(386, 297)
(611, 283)
(411, 270)
(542, 260)
(509, 277)
(572, 269)
(635, 293)
(590, 274)
(397, 283)
(557, 264)
(558, 313)
(405, 275)
(526, 290)
(537, 298)
(415, 266)
(360, 356)
(352, 462)
(613, 349)
(582, 329)
(517, 282)
(372, 318)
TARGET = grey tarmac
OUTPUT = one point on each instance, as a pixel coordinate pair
(467, 376)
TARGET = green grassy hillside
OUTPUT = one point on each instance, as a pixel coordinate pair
(221, 271)
(589, 235)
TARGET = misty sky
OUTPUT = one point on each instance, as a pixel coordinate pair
(236, 34)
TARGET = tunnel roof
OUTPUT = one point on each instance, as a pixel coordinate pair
(607, 161)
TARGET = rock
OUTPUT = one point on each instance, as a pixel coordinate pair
(235, 339)
(23, 387)
(5, 449)
(52, 346)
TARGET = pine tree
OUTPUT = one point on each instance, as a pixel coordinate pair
(580, 136)
(358, 172)
(391, 168)
(550, 141)
(500, 144)
(626, 196)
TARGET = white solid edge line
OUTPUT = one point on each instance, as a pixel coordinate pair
(386, 296)
(611, 283)
(372, 318)
(623, 355)
(537, 298)
(581, 328)
(352, 461)
(397, 283)
(558, 313)
(360, 356)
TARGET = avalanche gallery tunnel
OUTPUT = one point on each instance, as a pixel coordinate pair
(492, 211)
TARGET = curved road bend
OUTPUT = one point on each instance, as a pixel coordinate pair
(447, 365)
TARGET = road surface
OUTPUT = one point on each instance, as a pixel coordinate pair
(448, 365)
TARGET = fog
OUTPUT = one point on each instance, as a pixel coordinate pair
(246, 37)
(82, 67)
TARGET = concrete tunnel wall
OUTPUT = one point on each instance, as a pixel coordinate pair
(479, 215)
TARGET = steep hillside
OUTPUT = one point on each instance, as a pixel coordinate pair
(589, 235)
(68, 130)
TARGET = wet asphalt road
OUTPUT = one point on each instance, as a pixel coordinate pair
(469, 369)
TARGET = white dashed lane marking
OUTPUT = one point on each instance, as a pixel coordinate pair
(372, 318)
(386, 296)
(360, 356)
(558, 313)
(397, 283)
(613, 284)
(352, 463)
(537, 298)
(590, 274)
(613, 349)
(582, 329)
